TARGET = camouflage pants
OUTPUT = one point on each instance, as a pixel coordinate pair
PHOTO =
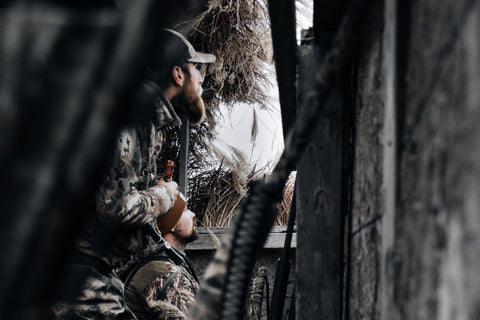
(88, 293)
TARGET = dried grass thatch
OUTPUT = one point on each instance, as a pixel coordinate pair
(284, 206)
(238, 33)
(216, 195)
(216, 188)
(215, 200)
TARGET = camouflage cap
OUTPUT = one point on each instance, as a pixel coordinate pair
(173, 49)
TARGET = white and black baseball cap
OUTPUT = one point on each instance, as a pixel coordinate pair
(173, 50)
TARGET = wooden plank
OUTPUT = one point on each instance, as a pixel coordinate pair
(319, 203)
(205, 240)
(371, 214)
(220, 230)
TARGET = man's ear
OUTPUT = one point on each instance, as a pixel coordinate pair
(178, 76)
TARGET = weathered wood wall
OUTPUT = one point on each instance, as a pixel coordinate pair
(436, 248)
(413, 248)
(373, 163)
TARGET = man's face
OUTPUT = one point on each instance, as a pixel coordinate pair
(185, 230)
(190, 99)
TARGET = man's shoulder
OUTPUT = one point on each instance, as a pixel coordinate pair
(166, 268)
(159, 266)
(170, 282)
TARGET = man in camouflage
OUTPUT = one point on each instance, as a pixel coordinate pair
(132, 196)
(164, 287)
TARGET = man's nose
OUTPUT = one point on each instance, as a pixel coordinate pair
(200, 76)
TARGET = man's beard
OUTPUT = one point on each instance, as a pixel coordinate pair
(190, 238)
(192, 106)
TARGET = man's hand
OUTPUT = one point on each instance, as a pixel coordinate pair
(171, 186)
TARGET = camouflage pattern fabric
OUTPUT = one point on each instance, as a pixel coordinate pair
(162, 289)
(129, 201)
(96, 296)
(125, 232)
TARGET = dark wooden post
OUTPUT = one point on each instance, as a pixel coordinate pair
(319, 224)
(183, 156)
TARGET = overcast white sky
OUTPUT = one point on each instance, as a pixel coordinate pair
(236, 129)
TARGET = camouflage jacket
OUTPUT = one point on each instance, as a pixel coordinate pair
(163, 288)
(128, 200)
